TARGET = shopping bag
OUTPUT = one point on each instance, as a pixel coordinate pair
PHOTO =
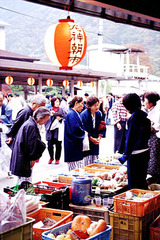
(86, 142)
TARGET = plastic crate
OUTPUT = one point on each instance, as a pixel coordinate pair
(101, 166)
(60, 216)
(134, 208)
(95, 213)
(63, 178)
(56, 195)
(12, 191)
(125, 227)
(155, 229)
(21, 232)
(50, 187)
(105, 235)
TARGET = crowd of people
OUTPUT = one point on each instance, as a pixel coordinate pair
(80, 123)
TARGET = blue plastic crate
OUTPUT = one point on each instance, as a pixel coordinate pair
(105, 235)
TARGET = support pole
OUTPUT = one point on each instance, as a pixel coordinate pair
(40, 84)
(97, 87)
(63, 91)
(72, 88)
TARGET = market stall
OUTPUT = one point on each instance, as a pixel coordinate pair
(98, 191)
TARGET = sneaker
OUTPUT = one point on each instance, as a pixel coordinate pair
(10, 175)
(50, 161)
(57, 162)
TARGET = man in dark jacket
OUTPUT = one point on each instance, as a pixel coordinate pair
(28, 146)
(23, 115)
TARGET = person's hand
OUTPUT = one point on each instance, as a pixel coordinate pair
(9, 140)
(32, 164)
(122, 159)
(119, 126)
(95, 141)
(58, 118)
(52, 113)
(99, 137)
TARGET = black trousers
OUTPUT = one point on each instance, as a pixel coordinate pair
(58, 145)
(137, 170)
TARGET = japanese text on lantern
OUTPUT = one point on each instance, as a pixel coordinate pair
(77, 43)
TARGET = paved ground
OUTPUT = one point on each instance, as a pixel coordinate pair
(45, 171)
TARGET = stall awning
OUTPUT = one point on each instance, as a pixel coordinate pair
(141, 13)
(23, 67)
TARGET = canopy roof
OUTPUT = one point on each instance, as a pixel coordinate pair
(141, 13)
(21, 67)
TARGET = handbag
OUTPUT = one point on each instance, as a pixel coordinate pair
(86, 142)
(102, 126)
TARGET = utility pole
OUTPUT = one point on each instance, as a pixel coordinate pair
(100, 35)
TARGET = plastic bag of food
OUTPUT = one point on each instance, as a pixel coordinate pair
(3, 202)
(14, 211)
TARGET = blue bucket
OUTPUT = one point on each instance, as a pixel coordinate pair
(81, 191)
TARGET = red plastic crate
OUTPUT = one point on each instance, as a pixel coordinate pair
(134, 208)
(45, 187)
(60, 216)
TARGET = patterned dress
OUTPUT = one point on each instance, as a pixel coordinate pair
(154, 162)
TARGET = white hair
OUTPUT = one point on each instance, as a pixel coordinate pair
(41, 113)
(39, 99)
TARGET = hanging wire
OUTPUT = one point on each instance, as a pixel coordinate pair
(70, 6)
(44, 20)
(26, 15)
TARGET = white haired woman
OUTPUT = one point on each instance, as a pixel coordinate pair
(28, 146)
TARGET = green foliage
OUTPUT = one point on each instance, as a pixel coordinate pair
(54, 91)
(156, 63)
(108, 88)
(107, 85)
(16, 89)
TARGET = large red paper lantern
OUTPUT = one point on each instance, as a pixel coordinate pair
(65, 43)
(65, 83)
(9, 80)
(49, 82)
(30, 81)
(79, 83)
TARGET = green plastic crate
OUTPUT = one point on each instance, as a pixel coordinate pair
(21, 232)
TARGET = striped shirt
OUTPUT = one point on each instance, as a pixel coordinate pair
(119, 112)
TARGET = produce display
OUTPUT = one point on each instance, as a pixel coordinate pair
(81, 228)
(46, 223)
(111, 158)
(111, 179)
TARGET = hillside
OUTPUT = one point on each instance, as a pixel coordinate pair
(28, 23)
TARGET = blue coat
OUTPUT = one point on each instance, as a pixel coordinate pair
(138, 133)
(88, 126)
(27, 147)
(73, 137)
(6, 115)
